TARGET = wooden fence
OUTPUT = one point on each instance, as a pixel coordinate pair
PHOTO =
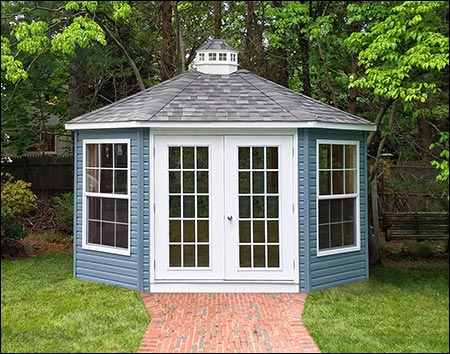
(48, 175)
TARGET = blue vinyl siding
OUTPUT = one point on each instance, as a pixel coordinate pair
(326, 271)
(128, 271)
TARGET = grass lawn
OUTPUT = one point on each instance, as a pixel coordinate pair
(45, 310)
(399, 309)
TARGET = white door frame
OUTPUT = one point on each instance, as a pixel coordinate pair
(220, 285)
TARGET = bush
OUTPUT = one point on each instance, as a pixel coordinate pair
(17, 200)
(63, 206)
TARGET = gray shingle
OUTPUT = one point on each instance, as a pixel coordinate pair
(239, 97)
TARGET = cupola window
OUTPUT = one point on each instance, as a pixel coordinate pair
(222, 56)
(233, 57)
(201, 56)
(212, 56)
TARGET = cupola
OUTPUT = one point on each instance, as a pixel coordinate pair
(216, 56)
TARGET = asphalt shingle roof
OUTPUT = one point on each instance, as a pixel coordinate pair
(215, 44)
(239, 97)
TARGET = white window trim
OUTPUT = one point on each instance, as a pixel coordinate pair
(342, 249)
(103, 248)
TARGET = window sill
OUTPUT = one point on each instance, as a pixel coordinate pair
(338, 251)
(107, 249)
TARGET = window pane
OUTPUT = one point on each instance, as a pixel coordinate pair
(120, 182)
(174, 206)
(244, 231)
(202, 157)
(259, 256)
(188, 256)
(338, 182)
(174, 182)
(106, 177)
(203, 206)
(189, 231)
(272, 207)
(350, 156)
(257, 157)
(272, 231)
(188, 181)
(188, 157)
(272, 157)
(324, 156)
(202, 231)
(336, 210)
(174, 157)
(121, 236)
(92, 155)
(244, 207)
(94, 232)
(174, 231)
(349, 234)
(350, 182)
(259, 232)
(324, 183)
(108, 209)
(202, 256)
(94, 208)
(244, 157)
(348, 209)
(120, 156)
(122, 210)
(92, 181)
(336, 235)
(202, 182)
(244, 182)
(258, 182)
(338, 156)
(324, 211)
(108, 234)
(273, 256)
(245, 256)
(188, 207)
(106, 155)
(258, 207)
(174, 256)
(324, 236)
(272, 182)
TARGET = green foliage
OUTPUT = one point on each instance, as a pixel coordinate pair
(63, 205)
(11, 67)
(396, 50)
(32, 37)
(442, 166)
(17, 199)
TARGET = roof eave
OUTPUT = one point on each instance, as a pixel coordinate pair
(220, 125)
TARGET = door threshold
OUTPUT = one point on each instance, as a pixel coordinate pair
(228, 287)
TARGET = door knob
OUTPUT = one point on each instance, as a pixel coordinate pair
(230, 217)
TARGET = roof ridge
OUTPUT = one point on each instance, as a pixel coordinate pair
(270, 98)
(178, 93)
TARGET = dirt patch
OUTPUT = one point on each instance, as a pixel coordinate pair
(37, 244)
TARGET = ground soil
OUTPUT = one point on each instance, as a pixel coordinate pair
(45, 243)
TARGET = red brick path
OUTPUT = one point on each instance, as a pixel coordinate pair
(231, 322)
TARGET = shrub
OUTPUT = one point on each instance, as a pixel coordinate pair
(17, 200)
(63, 205)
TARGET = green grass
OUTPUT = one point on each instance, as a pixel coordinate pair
(44, 309)
(397, 310)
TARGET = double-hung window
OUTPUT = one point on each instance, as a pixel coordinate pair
(337, 197)
(106, 192)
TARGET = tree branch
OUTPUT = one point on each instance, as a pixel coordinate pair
(378, 119)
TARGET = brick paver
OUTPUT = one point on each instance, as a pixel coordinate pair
(226, 323)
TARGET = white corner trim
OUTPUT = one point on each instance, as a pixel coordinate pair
(219, 125)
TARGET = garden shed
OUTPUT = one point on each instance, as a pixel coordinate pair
(219, 180)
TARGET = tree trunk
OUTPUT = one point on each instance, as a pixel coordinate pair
(378, 119)
(375, 238)
(180, 50)
(353, 92)
(249, 38)
(168, 52)
(218, 19)
(303, 43)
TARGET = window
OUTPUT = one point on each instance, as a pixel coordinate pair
(222, 56)
(211, 56)
(201, 56)
(106, 196)
(233, 57)
(338, 198)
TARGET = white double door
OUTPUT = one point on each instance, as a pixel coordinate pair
(224, 208)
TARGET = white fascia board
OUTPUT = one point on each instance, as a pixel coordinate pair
(219, 125)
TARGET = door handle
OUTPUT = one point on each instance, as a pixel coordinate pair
(230, 217)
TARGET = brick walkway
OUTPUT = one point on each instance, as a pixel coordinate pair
(233, 323)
